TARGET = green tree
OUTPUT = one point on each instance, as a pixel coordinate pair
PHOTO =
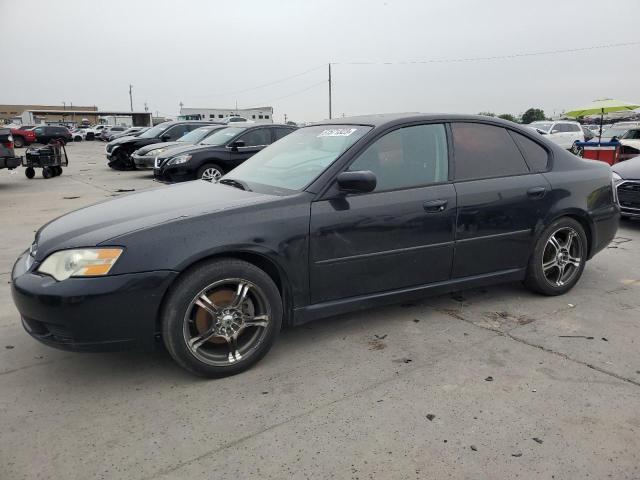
(533, 115)
(487, 114)
(508, 116)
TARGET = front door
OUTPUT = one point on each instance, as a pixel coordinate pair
(401, 234)
(254, 141)
(501, 198)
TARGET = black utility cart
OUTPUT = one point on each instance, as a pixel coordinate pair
(51, 158)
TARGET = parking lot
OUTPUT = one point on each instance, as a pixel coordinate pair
(489, 383)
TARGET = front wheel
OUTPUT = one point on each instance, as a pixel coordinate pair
(210, 172)
(575, 149)
(221, 317)
(558, 259)
(121, 161)
(29, 172)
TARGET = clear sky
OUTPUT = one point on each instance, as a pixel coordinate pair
(212, 53)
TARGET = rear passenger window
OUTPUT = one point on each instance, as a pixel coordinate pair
(282, 132)
(484, 151)
(537, 157)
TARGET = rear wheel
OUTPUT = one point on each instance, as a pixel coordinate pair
(57, 171)
(558, 259)
(210, 172)
(29, 172)
(18, 142)
(221, 318)
(47, 172)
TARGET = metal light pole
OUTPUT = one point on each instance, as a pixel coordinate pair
(330, 91)
(130, 97)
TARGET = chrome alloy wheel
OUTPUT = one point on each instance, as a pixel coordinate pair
(211, 174)
(562, 257)
(226, 322)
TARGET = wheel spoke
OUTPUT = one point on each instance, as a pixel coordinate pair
(257, 321)
(559, 281)
(234, 354)
(241, 295)
(570, 236)
(554, 242)
(197, 342)
(575, 261)
(550, 264)
(207, 305)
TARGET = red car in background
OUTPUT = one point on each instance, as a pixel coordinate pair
(23, 136)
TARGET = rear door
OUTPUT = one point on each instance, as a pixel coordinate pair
(399, 235)
(501, 198)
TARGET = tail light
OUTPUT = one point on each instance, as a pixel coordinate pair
(9, 142)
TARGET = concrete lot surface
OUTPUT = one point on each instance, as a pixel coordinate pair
(490, 383)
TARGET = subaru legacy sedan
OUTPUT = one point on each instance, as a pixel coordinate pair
(344, 215)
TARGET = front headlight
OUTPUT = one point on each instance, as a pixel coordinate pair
(179, 160)
(85, 262)
(616, 178)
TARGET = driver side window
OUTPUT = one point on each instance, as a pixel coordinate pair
(256, 138)
(407, 157)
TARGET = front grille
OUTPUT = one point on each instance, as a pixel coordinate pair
(629, 195)
(54, 331)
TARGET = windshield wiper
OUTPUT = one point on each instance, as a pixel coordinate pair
(235, 183)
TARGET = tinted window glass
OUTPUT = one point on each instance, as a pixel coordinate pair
(282, 132)
(536, 156)
(407, 157)
(254, 138)
(560, 128)
(176, 132)
(575, 128)
(483, 151)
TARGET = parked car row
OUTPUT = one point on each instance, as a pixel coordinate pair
(189, 150)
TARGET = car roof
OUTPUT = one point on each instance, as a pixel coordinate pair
(384, 119)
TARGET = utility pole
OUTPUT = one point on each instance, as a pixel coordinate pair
(285, 118)
(146, 108)
(130, 97)
(330, 91)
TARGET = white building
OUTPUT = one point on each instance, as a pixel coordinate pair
(257, 115)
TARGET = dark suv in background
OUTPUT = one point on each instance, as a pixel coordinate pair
(119, 150)
(45, 133)
(217, 154)
(8, 158)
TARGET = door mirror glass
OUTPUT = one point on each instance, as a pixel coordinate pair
(237, 144)
(361, 181)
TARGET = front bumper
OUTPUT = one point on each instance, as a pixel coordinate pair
(174, 173)
(143, 161)
(110, 313)
(629, 197)
(10, 162)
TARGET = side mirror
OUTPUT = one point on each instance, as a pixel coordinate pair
(236, 145)
(362, 181)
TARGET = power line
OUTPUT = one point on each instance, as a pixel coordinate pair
(493, 57)
(274, 82)
(297, 92)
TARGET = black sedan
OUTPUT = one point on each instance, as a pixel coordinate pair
(218, 153)
(339, 216)
(627, 178)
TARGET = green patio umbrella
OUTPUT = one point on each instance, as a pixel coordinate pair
(602, 106)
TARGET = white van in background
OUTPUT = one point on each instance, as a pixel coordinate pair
(563, 132)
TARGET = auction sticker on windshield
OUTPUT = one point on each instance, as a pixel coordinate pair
(337, 132)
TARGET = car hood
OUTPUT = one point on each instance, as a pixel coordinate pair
(96, 224)
(121, 140)
(629, 169)
(147, 148)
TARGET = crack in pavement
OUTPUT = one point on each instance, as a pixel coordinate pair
(507, 333)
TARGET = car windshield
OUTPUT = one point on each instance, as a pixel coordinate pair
(614, 132)
(155, 131)
(222, 136)
(633, 134)
(296, 160)
(546, 126)
(196, 135)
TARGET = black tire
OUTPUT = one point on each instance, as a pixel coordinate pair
(29, 172)
(180, 317)
(625, 217)
(209, 170)
(563, 266)
(18, 142)
(57, 171)
(47, 172)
